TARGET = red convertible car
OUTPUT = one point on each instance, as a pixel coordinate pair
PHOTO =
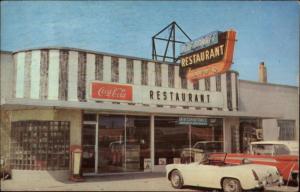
(288, 165)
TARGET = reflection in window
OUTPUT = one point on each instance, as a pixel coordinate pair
(287, 129)
(266, 149)
(138, 142)
(110, 143)
(170, 139)
(123, 147)
(281, 150)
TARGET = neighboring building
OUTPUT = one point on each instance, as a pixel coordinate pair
(126, 112)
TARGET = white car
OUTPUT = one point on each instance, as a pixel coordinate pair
(274, 148)
(218, 175)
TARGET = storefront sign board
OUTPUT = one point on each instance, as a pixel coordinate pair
(177, 97)
(210, 60)
(154, 95)
(111, 91)
(192, 121)
(200, 43)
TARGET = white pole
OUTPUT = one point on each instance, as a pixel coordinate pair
(96, 144)
(125, 140)
(152, 152)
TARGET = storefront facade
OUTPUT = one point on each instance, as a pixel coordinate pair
(126, 112)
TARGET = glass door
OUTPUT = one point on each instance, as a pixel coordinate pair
(88, 147)
(111, 143)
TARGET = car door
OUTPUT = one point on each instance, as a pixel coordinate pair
(200, 175)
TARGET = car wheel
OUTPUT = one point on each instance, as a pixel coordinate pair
(231, 185)
(176, 179)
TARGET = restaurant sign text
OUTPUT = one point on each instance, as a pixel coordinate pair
(154, 95)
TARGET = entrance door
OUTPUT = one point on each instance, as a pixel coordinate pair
(111, 143)
(88, 146)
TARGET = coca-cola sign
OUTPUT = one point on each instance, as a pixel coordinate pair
(110, 91)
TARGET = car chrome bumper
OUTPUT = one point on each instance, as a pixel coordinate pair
(270, 183)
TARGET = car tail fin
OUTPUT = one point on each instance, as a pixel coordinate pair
(255, 175)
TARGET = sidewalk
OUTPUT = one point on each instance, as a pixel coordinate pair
(127, 182)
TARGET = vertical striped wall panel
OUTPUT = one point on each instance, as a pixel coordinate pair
(137, 72)
(90, 72)
(151, 74)
(63, 75)
(122, 70)
(35, 74)
(171, 74)
(229, 89)
(107, 68)
(218, 83)
(196, 85)
(207, 84)
(66, 75)
(81, 76)
(224, 91)
(233, 91)
(130, 71)
(27, 75)
(164, 76)
(144, 68)
(20, 75)
(158, 74)
(190, 84)
(114, 69)
(237, 91)
(201, 84)
(53, 78)
(177, 79)
(44, 74)
(213, 85)
(99, 67)
(73, 76)
(183, 83)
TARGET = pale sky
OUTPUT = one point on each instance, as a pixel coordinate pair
(266, 31)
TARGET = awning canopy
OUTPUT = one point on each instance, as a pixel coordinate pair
(126, 108)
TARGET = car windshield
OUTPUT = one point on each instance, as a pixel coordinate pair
(214, 147)
(262, 149)
(209, 146)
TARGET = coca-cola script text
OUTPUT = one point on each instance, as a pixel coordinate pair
(111, 91)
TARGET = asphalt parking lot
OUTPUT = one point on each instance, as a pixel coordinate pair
(129, 182)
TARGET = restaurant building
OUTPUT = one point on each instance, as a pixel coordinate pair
(128, 114)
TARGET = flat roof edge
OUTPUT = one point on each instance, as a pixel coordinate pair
(94, 52)
(268, 84)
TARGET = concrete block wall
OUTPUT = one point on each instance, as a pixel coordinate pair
(48, 114)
